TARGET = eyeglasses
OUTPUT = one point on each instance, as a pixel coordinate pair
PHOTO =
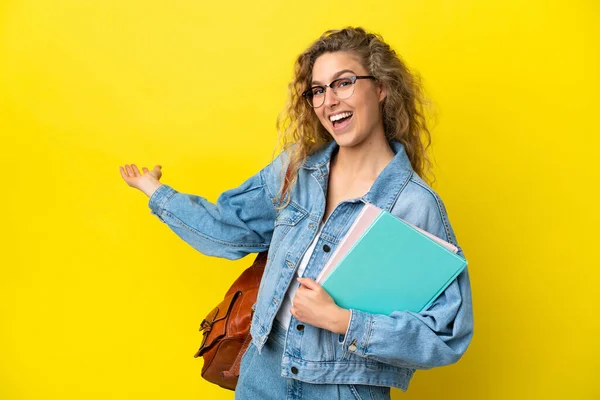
(342, 88)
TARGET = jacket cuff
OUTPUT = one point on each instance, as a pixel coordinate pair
(356, 339)
(160, 198)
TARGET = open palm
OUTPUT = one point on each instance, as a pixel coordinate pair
(134, 178)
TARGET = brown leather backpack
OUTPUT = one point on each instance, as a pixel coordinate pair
(226, 329)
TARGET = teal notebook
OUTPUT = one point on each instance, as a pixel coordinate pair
(392, 266)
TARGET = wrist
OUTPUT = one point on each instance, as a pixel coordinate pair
(340, 320)
(149, 187)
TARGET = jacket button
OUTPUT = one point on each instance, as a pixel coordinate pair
(352, 347)
(294, 370)
(326, 248)
(300, 327)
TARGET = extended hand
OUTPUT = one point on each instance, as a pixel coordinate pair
(147, 182)
(314, 306)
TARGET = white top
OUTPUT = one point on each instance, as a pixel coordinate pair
(283, 315)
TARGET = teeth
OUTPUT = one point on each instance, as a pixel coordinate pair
(339, 116)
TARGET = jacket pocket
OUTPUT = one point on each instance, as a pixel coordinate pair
(291, 215)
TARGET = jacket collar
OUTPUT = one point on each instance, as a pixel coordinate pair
(388, 185)
(320, 157)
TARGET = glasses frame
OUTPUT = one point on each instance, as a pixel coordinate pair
(353, 78)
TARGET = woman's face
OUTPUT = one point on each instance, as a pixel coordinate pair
(362, 109)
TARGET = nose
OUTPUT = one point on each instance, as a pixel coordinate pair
(330, 98)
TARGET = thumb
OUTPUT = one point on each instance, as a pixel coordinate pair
(309, 283)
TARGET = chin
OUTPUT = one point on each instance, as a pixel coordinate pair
(348, 139)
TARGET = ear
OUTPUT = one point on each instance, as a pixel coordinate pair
(382, 92)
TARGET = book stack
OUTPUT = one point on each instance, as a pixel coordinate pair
(384, 264)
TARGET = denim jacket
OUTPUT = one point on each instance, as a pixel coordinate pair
(382, 350)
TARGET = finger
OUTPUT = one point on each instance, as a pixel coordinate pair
(309, 283)
(129, 171)
(136, 171)
(294, 312)
(301, 292)
(145, 170)
(122, 171)
(298, 300)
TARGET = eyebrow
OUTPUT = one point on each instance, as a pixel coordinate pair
(335, 76)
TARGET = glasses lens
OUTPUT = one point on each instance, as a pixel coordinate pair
(315, 96)
(343, 87)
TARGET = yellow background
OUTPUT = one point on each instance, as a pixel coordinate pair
(100, 300)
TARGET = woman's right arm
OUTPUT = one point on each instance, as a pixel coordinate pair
(240, 222)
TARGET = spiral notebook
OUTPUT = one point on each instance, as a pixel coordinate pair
(385, 264)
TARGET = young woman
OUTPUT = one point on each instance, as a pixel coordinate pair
(354, 133)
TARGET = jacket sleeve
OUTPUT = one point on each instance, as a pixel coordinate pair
(240, 222)
(434, 337)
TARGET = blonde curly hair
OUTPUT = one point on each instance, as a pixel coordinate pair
(301, 132)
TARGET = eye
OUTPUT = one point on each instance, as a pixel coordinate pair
(316, 91)
(341, 83)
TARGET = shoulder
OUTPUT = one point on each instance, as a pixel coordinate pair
(420, 205)
(272, 174)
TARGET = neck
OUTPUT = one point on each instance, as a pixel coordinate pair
(365, 160)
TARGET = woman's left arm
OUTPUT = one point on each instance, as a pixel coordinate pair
(437, 336)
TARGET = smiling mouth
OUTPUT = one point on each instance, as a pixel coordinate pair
(342, 122)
